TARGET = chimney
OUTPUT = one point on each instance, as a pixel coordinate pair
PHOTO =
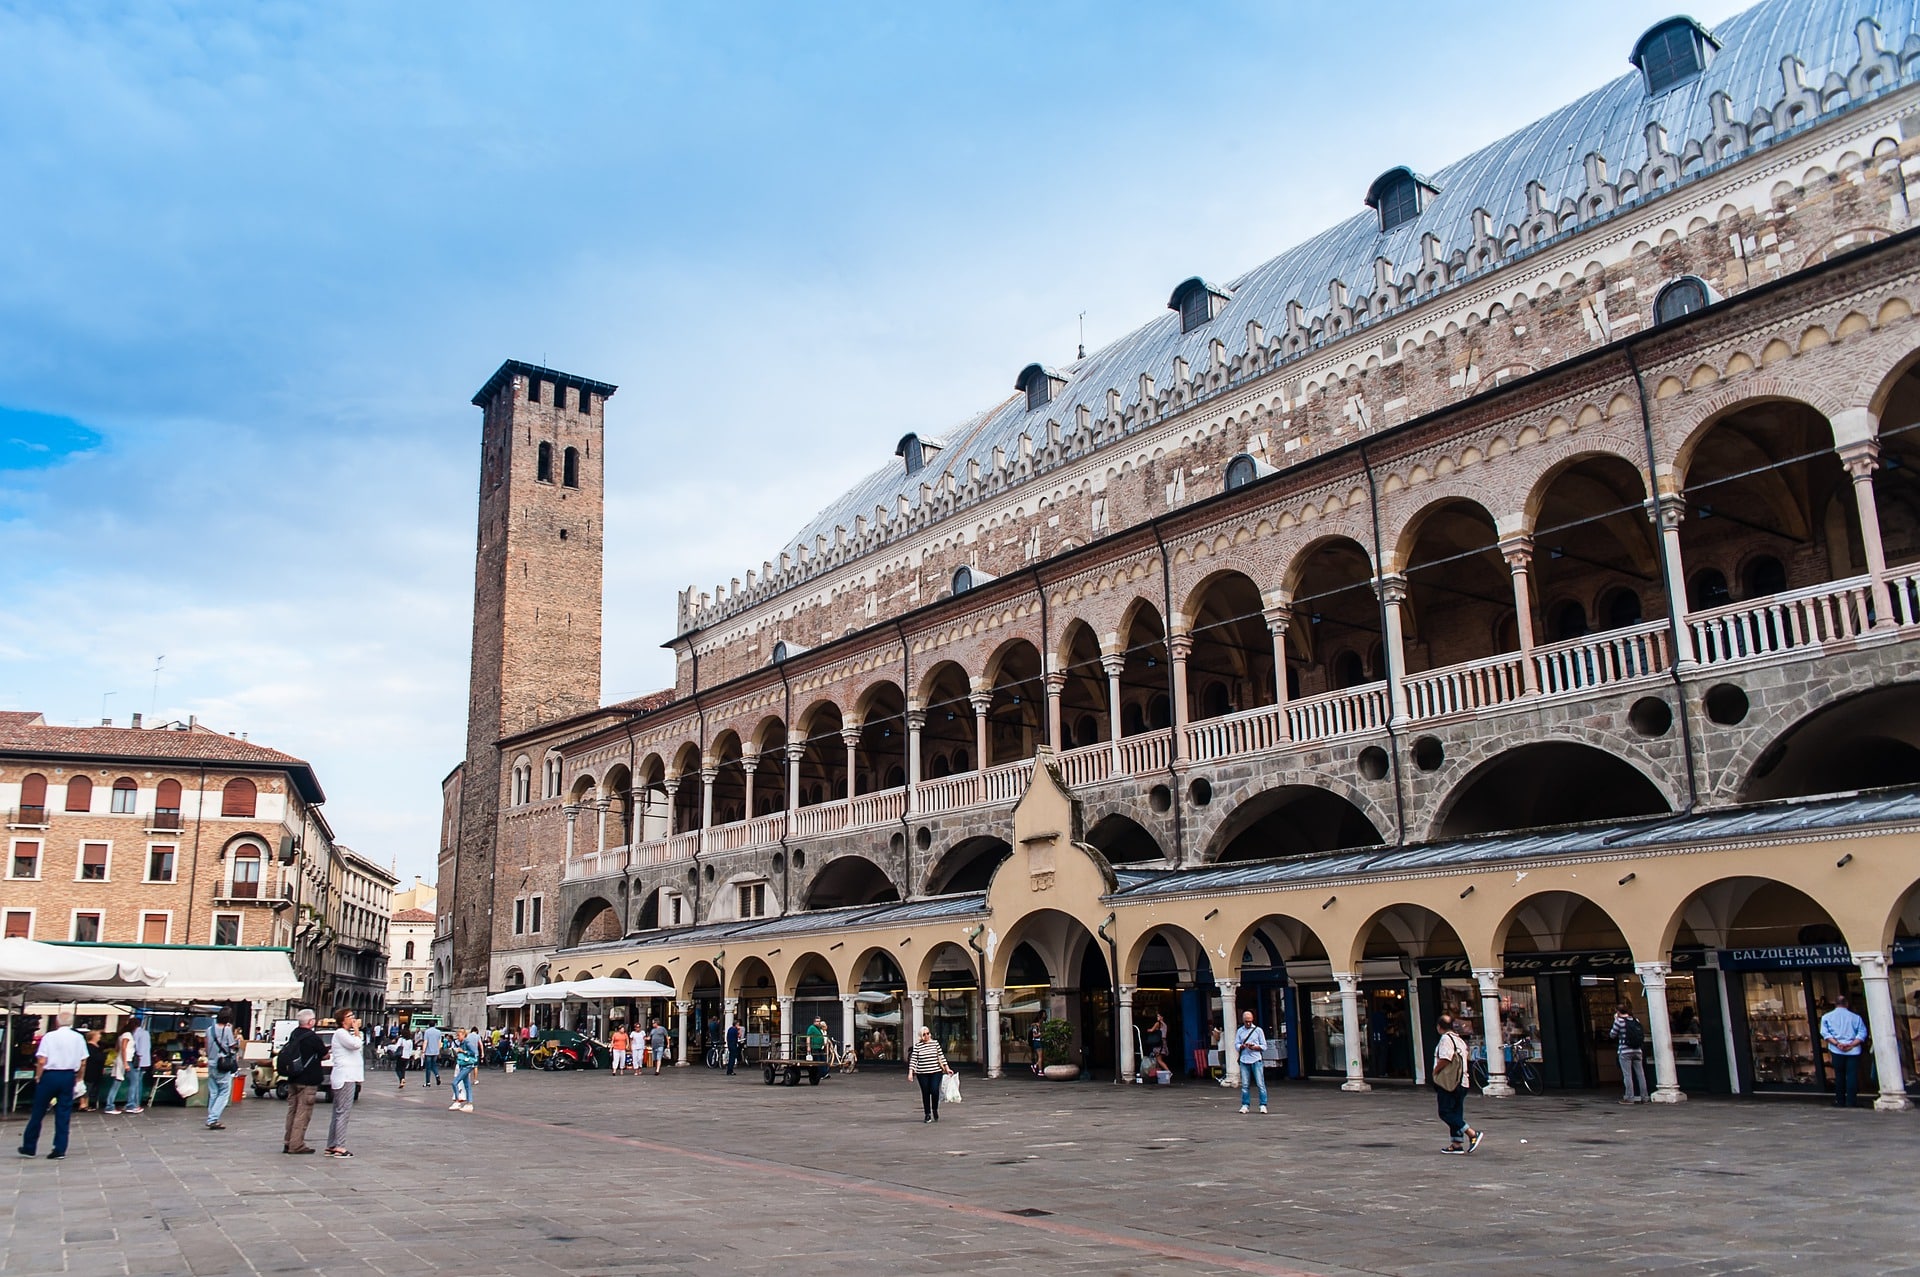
(106, 722)
(193, 721)
(136, 722)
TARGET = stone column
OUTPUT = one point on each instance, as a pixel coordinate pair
(573, 814)
(729, 1012)
(916, 723)
(919, 999)
(1278, 620)
(672, 785)
(1667, 513)
(982, 701)
(1350, 1030)
(681, 1043)
(1056, 685)
(749, 764)
(847, 1029)
(1113, 665)
(993, 997)
(1666, 1076)
(786, 1024)
(707, 776)
(1493, 1036)
(1884, 1030)
(795, 752)
(850, 737)
(600, 825)
(1518, 552)
(1393, 593)
(1179, 648)
(1229, 1026)
(1861, 460)
(1128, 1064)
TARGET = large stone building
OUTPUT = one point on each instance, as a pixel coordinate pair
(1507, 600)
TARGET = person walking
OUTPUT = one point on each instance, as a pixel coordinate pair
(1450, 1080)
(1844, 1033)
(96, 1073)
(57, 1062)
(1630, 1046)
(617, 1043)
(736, 1042)
(928, 1065)
(402, 1056)
(657, 1040)
(122, 1065)
(466, 1058)
(349, 1071)
(432, 1041)
(223, 1061)
(300, 1062)
(1037, 1046)
(1250, 1048)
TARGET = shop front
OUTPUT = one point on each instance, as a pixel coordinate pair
(880, 1013)
(1389, 1039)
(1782, 991)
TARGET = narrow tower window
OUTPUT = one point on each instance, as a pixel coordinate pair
(533, 390)
(570, 468)
(543, 469)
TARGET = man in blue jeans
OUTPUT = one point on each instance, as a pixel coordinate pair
(57, 1061)
(430, 1043)
(223, 1045)
(1844, 1033)
(1250, 1047)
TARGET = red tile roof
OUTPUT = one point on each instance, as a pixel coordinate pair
(21, 733)
(19, 717)
(414, 915)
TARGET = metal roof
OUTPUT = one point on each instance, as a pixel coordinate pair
(819, 920)
(1612, 121)
(1795, 817)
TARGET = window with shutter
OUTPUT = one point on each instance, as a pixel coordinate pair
(86, 928)
(153, 928)
(26, 860)
(79, 794)
(239, 798)
(126, 793)
(93, 861)
(19, 924)
(246, 873)
(33, 799)
(160, 863)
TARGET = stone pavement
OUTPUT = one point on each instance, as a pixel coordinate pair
(695, 1172)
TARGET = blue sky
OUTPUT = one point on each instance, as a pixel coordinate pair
(258, 257)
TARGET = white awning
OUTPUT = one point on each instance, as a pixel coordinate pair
(511, 1000)
(194, 974)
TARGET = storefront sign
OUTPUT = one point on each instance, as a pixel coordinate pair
(1589, 961)
(1786, 957)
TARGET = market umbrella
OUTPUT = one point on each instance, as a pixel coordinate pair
(30, 967)
(604, 988)
(511, 1000)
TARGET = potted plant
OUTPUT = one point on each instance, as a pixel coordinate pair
(1056, 1041)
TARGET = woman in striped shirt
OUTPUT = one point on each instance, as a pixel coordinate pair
(928, 1064)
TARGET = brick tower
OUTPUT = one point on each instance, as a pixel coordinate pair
(536, 615)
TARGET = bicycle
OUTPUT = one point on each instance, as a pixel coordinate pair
(716, 1055)
(1521, 1074)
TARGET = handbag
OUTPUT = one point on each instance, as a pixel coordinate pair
(950, 1088)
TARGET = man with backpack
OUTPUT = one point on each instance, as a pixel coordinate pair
(1450, 1082)
(1630, 1043)
(299, 1063)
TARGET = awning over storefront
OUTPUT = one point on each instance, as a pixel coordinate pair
(194, 973)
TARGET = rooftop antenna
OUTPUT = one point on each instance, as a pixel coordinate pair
(103, 705)
(1083, 335)
(157, 661)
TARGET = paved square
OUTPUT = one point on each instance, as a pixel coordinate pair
(696, 1172)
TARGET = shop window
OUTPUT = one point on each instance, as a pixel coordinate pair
(753, 900)
(79, 794)
(1708, 589)
(246, 873)
(154, 928)
(93, 861)
(33, 799)
(226, 930)
(543, 467)
(160, 863)
(19, 924)
(25, 862)
(239, 798)
(86, 928)
(125, 794)
(570, 468)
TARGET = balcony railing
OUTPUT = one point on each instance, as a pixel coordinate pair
(1797, 622)
(165, 822)
(31, 815)
(1798, 619)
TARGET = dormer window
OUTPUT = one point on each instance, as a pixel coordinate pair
(1399, 195)
(1244, 469)
(1039, 384)
(1673, 52)
(915, 452)
(1197, 301)
(1682, 297)
(962, 579)
(784, 651)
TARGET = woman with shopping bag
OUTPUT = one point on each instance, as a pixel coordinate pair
(928, 1065)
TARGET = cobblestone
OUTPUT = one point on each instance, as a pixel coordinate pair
(587, 1174)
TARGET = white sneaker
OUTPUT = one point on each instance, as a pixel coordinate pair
(466, 1108)
(1243, 1108)
(1263, 1108)
(455, 1105)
